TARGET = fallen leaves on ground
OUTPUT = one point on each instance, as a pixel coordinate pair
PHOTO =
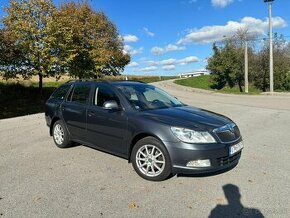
(133, 205)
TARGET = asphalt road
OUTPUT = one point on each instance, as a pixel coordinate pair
(37, 179)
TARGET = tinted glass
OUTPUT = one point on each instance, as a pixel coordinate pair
(81, 93)
(60, 93)
(103, 94)
(146, 97)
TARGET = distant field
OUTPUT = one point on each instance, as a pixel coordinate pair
(20, 97)
(204, 82)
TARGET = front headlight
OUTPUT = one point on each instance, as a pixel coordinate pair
(191, 136)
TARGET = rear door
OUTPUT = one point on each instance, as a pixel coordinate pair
(106, 129)
(74, 110)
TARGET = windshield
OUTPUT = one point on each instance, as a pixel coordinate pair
(146, 97)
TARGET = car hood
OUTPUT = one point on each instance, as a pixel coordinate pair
(188, 117)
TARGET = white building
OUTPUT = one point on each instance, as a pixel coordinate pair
(194, 73)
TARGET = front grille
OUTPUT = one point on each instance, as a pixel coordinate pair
(228, 135)
(222, 161)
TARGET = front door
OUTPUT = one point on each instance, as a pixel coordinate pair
(106, 129)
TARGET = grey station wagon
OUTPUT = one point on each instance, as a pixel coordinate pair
(157, 133)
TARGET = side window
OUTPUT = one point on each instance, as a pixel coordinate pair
(81, 93)
(60, 93)
(103, 94)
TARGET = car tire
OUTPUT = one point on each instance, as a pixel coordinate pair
(60, 135)
(151, 160)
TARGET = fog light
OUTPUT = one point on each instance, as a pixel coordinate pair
(199, 163)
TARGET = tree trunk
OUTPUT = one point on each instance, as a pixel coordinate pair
(240, 85)
(40, 83)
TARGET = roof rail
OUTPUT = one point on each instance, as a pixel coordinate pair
(100, 80)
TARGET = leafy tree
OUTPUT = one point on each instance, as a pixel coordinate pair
(88, 43)
(226, 65)
(281, 54)
(10, 58)
(26, 22)
(39, 39)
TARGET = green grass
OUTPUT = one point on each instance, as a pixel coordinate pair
(152, 79)
(204, 82)
(18, 99)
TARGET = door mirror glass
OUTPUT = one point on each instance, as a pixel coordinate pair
(111, 105)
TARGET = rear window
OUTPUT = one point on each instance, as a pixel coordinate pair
(61, 92)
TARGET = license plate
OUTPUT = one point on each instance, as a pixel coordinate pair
(236, 148)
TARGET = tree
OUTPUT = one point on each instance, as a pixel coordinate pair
(26, 22)
(226, 66)
(281, 53)
(88, 43)
(11, 56)
(227, 63)
(48, 41)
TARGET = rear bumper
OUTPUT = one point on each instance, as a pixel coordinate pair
(218, 154)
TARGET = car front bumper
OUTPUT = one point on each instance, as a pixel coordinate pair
(218, 154)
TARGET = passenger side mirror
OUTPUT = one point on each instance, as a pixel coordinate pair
(111, 105)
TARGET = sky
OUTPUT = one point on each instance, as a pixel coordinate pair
(168, 37)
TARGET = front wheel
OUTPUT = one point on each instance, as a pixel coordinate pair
(151, 160)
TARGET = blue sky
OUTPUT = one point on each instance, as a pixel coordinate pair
(167, 37)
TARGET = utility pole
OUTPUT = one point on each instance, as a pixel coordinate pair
(246, 67)
(271, 45)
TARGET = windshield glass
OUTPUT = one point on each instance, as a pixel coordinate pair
(146, 97)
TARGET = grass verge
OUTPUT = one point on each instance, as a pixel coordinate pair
(204, 82)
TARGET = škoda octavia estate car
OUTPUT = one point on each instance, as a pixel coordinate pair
(158, 134)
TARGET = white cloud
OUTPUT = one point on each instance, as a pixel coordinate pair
(168, 48)
(148, 32)
(172, 61)
(221, 3)
(210, 34)
(188, 60)
(157, 50)
(148, 69)
(132, 51)
(130, 38)
(168, 67)
(133, 64)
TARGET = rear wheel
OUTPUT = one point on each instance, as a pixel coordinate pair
(151, 160)
(60, 135)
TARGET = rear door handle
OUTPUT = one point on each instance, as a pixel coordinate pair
(91, 113)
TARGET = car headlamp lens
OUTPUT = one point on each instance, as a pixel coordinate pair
(191, 136)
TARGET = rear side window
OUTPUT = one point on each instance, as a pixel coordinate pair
(60, 93)
(81, 93)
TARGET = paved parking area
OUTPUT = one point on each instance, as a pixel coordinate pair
(37, 179)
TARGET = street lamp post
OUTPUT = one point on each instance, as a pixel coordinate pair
(246, 67)
(269, 2)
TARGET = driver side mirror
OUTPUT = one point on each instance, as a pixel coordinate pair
(111, 105)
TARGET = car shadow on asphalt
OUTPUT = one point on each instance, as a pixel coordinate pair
(234, 208)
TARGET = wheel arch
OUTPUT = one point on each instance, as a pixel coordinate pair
(138, 137)
(52, 123)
